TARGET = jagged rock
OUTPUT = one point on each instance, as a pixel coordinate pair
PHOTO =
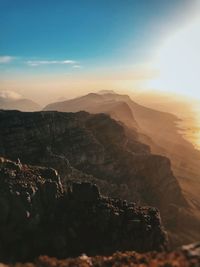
(177, 258)
(39, 217)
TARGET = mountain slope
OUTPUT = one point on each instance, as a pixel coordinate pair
(157, 129)
(19, 104)
(95, 103)
(82, 146)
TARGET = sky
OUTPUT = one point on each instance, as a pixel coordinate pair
(50, 49)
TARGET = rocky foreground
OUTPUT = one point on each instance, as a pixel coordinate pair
(39, 217)
(188, 256)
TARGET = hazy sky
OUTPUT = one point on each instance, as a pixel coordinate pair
(65, 48)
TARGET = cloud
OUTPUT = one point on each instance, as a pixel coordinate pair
(6, 59)
(35, 63)
(77, 66)
(11, 95)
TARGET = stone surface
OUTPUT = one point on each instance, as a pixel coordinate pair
(178, 258)
(40, 217)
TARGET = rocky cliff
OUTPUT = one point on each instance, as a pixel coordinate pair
(88, 147)
(160, 131)
(93, 144)
(96, 148)
(157, 129)
(39, 216)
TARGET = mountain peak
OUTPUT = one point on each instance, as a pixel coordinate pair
(102, 92)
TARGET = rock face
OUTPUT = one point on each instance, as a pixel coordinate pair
(98, 149)
(39, 217)
(161, 132)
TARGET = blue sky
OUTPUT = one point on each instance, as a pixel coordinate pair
(91, 32)
(40, 37)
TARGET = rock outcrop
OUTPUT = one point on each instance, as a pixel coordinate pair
(183, 257)
(39, 217)
(95, 148)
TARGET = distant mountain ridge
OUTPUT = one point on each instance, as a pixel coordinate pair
(19, 104)
(95, 103)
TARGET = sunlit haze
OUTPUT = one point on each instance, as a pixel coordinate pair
(77, 47)
(178, 61)
(82, 46)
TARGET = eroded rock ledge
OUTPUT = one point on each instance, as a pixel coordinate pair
(39, 217)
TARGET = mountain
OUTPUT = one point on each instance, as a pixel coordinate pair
(39, 217)
(103, 92)
(22, 104)
(146, 120)
(159, 130)
(160, 126)
(96, 148)
(95, 103)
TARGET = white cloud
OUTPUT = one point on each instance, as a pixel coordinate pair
(35, 63)
(77, 66)
(6, 59)
(11, 95)
(69, 62)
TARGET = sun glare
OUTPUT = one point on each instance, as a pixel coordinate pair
(178, 62)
